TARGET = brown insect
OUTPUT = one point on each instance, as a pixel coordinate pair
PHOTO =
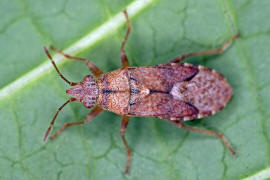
(175, 92)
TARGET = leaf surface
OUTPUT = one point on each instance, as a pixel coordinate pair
(31, 91)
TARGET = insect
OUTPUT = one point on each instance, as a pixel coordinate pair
(173, 91)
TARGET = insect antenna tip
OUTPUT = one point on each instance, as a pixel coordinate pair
(46, 134)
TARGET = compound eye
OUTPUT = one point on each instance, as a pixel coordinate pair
(88, 104)
(89, 101)
(88, 78)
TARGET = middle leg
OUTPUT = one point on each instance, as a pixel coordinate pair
(123, 55)
(124, 124)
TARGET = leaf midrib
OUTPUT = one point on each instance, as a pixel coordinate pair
(82, 44)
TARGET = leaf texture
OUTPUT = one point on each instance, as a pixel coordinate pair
(31, 91)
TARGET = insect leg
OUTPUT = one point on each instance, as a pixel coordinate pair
(207, 52)
(124, 124)
(91, 115)
(208, 132)
(123, 55)
(56, 114)
(92, 67)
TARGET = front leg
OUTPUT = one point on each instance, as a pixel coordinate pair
(91, 66)
(92, 114)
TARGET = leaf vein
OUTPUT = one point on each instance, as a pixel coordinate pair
(245, 58)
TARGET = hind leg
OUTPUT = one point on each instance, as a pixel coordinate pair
(207, 52)
(207, 132)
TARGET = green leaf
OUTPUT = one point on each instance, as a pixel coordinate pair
(31, 91)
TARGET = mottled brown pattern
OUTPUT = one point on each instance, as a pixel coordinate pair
(208, 91)
(114, 91)
(162, 106)
(85, 91)
(170, 91)
(102, 84)
(162, 77)
(137, 91)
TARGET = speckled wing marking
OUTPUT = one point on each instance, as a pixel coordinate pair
(162, 77)
(150, 88)
(177, 91)
(208, 91)
(162, 106)
(114, 91)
